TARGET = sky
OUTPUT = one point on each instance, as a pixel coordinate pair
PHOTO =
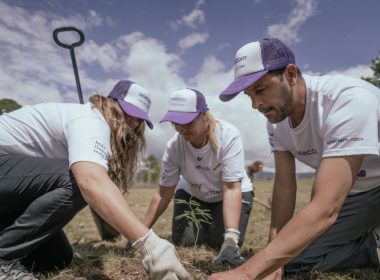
(171, 44)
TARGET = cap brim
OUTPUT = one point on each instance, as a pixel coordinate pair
(134, 111)
(240, 84)
(179, 117)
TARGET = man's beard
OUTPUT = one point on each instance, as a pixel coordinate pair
(287, 106)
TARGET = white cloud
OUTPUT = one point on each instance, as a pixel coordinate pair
(223, 46)
(199, 3)
(192, 40)
(105, 55)
(148, 59)
(92, 19)
(194, 19)
(358, 71)
(288, 31)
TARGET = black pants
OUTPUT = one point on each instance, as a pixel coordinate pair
(38, 197)
(349, 242)
(184, 231)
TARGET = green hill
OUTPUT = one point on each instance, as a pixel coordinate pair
(8, 105)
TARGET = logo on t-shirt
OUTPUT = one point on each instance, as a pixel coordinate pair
(101, 150)
(211, 193)
(345, 139)
(271, 139)
(196, 186)
(309, 152)
(205, 168)
(217, 166)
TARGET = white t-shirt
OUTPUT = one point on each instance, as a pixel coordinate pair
(57, 130)
(342, 118)
(201, 172)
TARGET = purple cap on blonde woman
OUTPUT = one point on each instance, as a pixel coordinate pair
(184, 106)
(133, 99)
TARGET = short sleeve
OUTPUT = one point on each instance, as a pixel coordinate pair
(170, 165)
(351, 125)
(233, 157)
(273, 138)
(88, 139)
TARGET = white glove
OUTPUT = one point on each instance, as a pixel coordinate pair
(159, 258)
(229, 252)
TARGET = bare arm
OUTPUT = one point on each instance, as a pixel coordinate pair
(333, 181)
(160, 201)
(229, 251)
(284, 192)
(107, 200)
(231, 204)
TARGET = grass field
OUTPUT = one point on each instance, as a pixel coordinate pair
(101, 260)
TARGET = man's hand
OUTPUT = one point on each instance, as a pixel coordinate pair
(229, 252)
(276, 275)
(159, 258)
(235, 274)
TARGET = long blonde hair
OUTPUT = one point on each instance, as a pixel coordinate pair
(127, 145)
(211, 126)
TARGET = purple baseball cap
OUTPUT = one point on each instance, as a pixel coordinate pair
(254, 60)
(133, 99)
(184, 106)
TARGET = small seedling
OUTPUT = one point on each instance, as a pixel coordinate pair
(195, 215)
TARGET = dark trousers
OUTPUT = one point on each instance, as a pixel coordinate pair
(184, 231)
(349, 243)
(38, 197)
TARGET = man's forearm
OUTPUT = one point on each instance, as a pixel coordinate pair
(294, 237)
(283, 205)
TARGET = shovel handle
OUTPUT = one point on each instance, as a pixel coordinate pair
(65, 29)
(72, 54)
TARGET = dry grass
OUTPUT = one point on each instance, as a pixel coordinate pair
(107, 260)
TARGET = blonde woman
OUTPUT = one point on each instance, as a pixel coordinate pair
(204, 161)
(56, 158)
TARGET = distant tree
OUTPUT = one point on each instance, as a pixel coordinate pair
(375, 80)
(8, 105)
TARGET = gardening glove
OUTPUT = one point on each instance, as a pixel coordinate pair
(159, 258)
(229, 252)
